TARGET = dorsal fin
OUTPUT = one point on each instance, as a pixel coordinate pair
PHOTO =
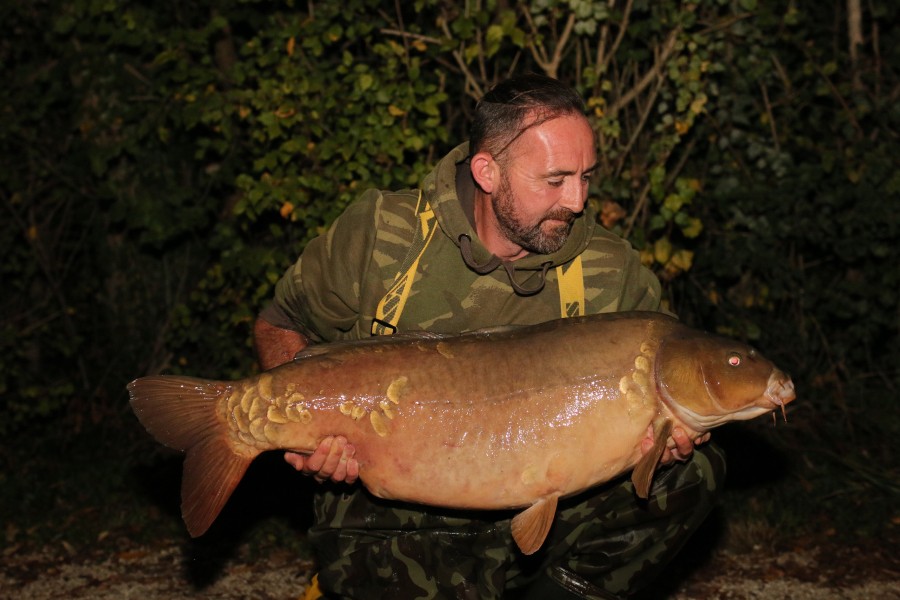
(406, 336)
(642, 477)
(496, 329)
(531, 526)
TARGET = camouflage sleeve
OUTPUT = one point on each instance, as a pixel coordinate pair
(640, 287)
(273, 314)
(615, 280)
(320, 292)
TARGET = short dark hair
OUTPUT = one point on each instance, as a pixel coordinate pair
(500, 115)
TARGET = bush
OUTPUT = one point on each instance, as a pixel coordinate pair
(162, 164)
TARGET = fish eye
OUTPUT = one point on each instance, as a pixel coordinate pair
(735, 359)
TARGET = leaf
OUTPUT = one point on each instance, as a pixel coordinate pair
(682, 260)
(365, 82)
(674, 202)
(693, 228)
(494, 34)
(698, 104)
(662, 251)
(472, 51)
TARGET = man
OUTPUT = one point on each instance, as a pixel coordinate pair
(499, 234)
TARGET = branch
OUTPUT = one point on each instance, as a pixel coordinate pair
(472, 86)
(638, 209)
(553, 67)
(637, 130)
(855, 40)
(654, 73)
(415, 36)
(549, 65)
(604, 57)
(837, 94)
(770, 114)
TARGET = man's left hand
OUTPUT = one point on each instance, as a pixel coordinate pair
(679, 446)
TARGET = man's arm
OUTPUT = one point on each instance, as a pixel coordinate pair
(333, 459)
(274, 345)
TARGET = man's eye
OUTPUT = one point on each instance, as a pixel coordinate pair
(555, 183)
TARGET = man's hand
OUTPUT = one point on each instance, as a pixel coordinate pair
(333, 460)
(678, 447)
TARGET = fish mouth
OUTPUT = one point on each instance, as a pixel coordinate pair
(780, 391)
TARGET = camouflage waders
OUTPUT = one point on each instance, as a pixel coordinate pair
(604, 543)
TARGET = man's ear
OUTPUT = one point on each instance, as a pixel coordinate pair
(485, 171)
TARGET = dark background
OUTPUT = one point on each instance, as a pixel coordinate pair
(161, 163)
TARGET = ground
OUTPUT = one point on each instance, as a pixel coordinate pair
(820, 569)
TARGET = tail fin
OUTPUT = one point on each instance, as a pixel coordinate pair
(181, 413)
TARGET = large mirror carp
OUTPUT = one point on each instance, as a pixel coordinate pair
(495, 419)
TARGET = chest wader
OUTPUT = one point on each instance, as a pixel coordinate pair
(570, 278)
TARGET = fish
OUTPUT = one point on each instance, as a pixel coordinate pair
(502, 418)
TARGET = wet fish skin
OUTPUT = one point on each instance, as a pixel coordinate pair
(503, 418)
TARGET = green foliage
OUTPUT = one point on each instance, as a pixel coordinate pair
(802, 224)
(161, 164)
(818, 199)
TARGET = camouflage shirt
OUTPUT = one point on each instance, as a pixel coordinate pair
(332, 292)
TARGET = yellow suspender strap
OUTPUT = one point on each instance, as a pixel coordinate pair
(571, 288)
(387, 315)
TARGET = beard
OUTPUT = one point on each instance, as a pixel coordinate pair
(546, 236)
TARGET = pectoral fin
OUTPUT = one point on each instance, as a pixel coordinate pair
(642, 477)
(531, 526)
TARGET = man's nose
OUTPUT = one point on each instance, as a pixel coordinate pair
(574, 195)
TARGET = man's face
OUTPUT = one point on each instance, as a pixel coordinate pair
(544, 183)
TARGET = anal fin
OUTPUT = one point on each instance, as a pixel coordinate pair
(642, 476)
(531, 526)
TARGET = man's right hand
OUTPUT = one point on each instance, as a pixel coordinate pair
(332, 460)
